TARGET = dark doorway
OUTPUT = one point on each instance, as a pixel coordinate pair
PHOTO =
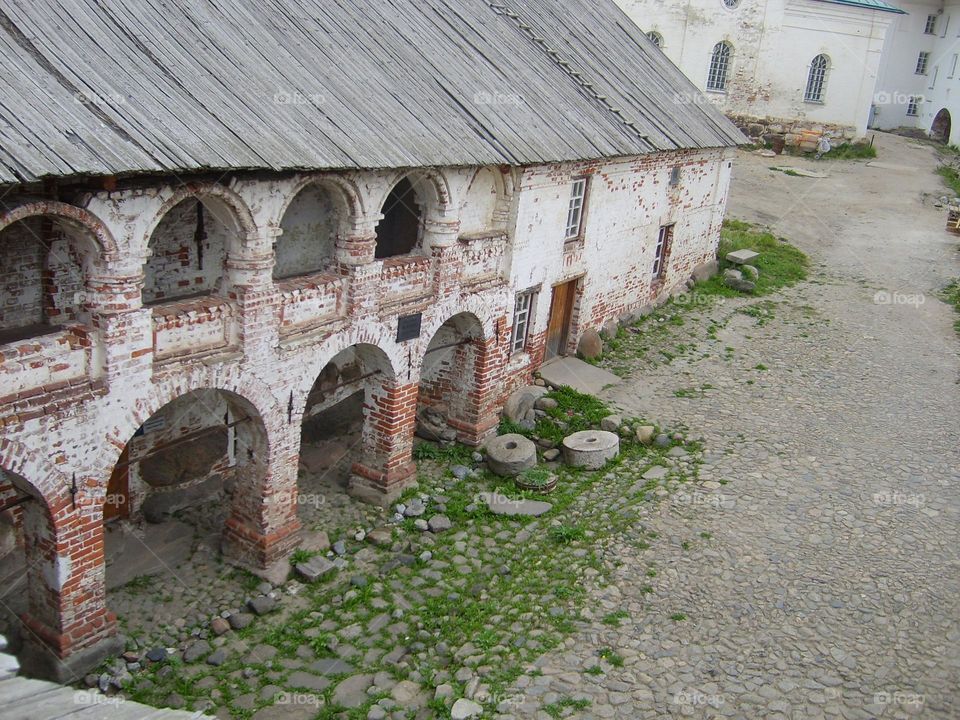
(399, 231)
(940, 130)
(561, 313)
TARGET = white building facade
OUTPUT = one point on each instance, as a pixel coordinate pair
(919, 78)
(795, 68)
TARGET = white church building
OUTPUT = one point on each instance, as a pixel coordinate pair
(795, 68)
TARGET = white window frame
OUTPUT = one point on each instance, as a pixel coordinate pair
(664, 238)
(656, 38)
(575, 208)
(930, 27)
(913, 107)
(923, 59)
(523, 308)
(817, 79)
(719, 69)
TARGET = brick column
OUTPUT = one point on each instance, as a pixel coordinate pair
(440, 239)
(355, 261)
(250, 286)
(263, 527)
(388, 466)
(68, 627)
(113, 299)
(482, 412)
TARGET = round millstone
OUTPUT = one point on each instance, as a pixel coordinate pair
(590, 449)
(510, 455)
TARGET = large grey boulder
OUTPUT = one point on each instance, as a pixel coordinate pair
(522, 401)
(734, 279)
(509, 455)
(705, 271)
(609, 330)
(590, 346)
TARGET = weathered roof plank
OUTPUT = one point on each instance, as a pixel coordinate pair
(183, 86)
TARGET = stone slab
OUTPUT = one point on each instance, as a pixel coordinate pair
(740, 257)
(502, 505)
(582, 377)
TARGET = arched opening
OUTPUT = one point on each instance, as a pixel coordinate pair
(817, 79)
(483, 199)
(656, 38)
(310, 227)
(43, 281)
(453, 383)
(176, 482)
(940, 130)
(401, 228)
(719, 66)
(188, 251)
(336, 431)
(25, 530)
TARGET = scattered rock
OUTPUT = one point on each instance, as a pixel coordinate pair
(609, 330)
(157, 654)
(174, 701)
(238, 621)
(340, 548)
(676, 452)
(661, 441)
(545, 403)
(352, 692)
(509, 455)
(217, 658)
(439, 523)
(611, 423)
(380, 536)
(262, 604)
(461, 472)
(464, 709)
(706, 270)
(590, 346)
(416, 508)
(219, 626)
(750, 270)
(645, 434)
(551, 455)
(421, 525)
(522, 401)
(196, 651)
(314, 569)
(655, 473)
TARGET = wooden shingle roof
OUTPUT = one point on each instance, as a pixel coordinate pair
(121, 87)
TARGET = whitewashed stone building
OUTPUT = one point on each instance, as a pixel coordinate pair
(795, 68)
(920, 78)
(221, 220)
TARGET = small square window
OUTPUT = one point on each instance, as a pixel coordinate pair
(675, 176)
(522, 314)
(578, 199)
(922, 59)
(931, 27)
(912, 107)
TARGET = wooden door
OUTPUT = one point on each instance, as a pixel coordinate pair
(118, 494)
(561, 313)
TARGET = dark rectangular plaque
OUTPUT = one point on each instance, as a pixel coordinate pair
(408, 327)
